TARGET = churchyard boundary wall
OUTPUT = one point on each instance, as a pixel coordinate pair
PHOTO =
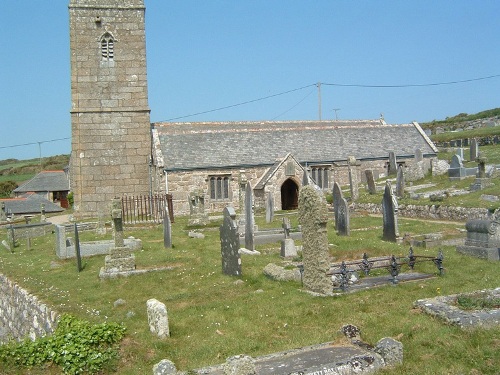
(22, 314)
(439, 212)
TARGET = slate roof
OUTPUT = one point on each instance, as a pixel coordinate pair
(29, 204)
(45, 181)
(207, 145)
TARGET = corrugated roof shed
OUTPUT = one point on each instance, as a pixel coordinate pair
(205, 145)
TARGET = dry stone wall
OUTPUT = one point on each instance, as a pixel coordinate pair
(22, 314)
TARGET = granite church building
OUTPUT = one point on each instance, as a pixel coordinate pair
(116, 151)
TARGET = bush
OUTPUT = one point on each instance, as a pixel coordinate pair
(77, 346)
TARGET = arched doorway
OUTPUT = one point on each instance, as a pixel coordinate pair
(289, 195)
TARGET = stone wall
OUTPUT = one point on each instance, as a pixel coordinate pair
(22, 314)
(428, 212)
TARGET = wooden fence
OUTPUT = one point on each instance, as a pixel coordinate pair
(146, 208)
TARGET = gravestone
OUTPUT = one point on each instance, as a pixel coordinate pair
(288, 248)
(483, 238)
(460, 152)
(353, 177)
(305, 178)
(400, 182)
(393, 165)
(157, 318)
(249, 219)
(370, 181)
(197, 214)
(474, 149)
(337, 196)
(3, 215)
(418, 155)
(77, 249)
(343, 217)
(269, 207)
(313, 217)
(167, 230)
(242, 182)
(120, 258)
(390, 214)
(230, 244)
(482, 181)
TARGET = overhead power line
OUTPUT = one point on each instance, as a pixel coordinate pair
(36, 143)
(412, 84)
(318, 84)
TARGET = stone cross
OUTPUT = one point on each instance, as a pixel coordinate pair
(286, 227)
(400, 182)
(242, 181)
(249, 218)
(230, 244)
(370, 181)
(313, 217)
(116, 215)
(269, 207)
(390, 214)
(288, 248)
(481, 166)
(393, 165)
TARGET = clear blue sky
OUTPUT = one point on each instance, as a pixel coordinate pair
(203, 55)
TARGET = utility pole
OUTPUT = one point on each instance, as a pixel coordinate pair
(318, 85)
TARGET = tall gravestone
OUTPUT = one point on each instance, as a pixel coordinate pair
(197, 214)
(230, 244)
(249, 219)
(418, 155)
(337, 196)
(400, 182)
(269, 207)
(343, 217)
(474, 149)
(313, 217)
(167, 230)
(460, 152)
(393, 165)
(370, 181)
(3, 216)
(242, 182)
(390, 214)
(353, 177)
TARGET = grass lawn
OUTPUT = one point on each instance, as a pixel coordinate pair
(212, 318)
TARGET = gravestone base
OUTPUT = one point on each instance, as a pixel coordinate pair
(489, 253)
(288, 248)
(480, 184)
(119, 260)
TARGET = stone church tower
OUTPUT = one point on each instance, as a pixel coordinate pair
(111, 130)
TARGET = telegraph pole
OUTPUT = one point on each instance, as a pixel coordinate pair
(318, 85)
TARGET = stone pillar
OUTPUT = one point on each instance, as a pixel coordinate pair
(313, 217)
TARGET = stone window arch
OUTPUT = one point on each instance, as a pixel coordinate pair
(321, 176)
(107, 44)
(219, 187)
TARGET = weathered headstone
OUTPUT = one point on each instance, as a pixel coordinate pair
(249, 219)
(269, 208)
(157, 318)
(400, 182)
(390, 214)
(343, 218)
(167, 230)
(418, 155)
(481, 167)
(370, 181)
(313, 217)
(337, 196)
(474, 149)
(197, 214)
(483, 238)
(230, 244)
(353, 177)
(288, 248)
(460, 152)
(242, 182)
(3, 215)
(393, 165)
